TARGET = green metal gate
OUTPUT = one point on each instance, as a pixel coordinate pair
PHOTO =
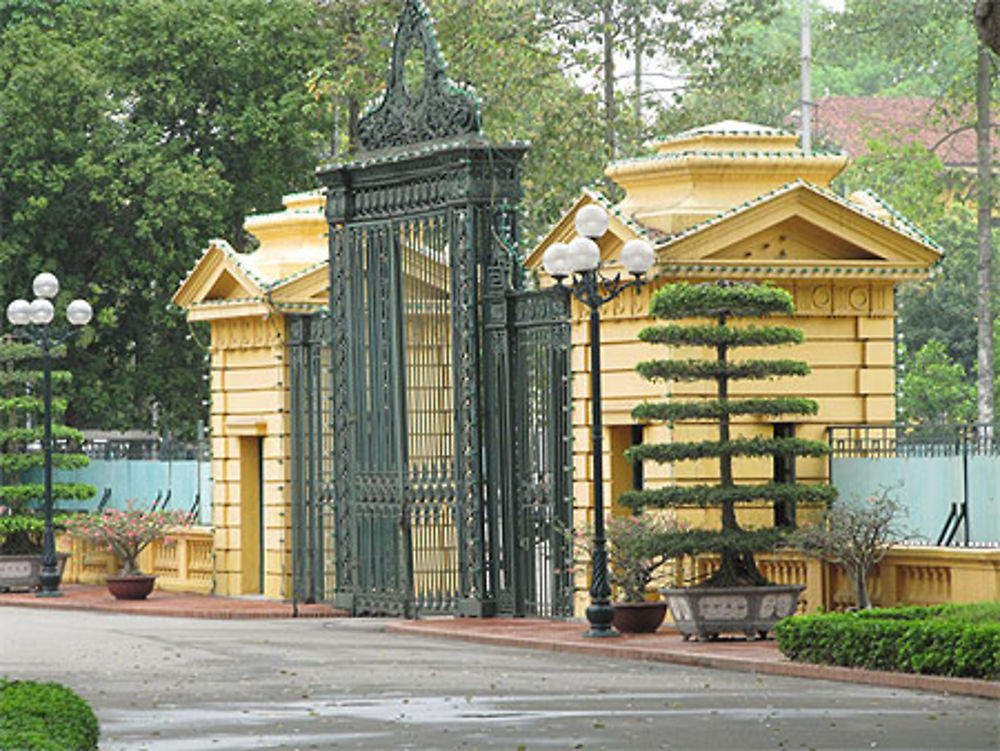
(436, 477)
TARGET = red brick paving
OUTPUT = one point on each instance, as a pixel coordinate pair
(179, 604)
(666, 645)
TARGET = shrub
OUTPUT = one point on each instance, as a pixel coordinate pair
(857, 535)
(21, 534)
(45, 717)
(638, 547)
(955, 640)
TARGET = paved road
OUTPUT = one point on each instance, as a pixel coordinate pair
(173, 684)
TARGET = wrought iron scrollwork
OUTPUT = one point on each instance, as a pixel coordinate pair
(436, 109)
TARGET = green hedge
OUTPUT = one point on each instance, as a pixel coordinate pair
(955, 640)
(45, 717)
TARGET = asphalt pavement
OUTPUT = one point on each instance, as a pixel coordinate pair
(184, 684)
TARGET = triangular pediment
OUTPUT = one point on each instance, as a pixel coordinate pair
(217, 277)
(793, 239)
(309, 287)
(802, 225)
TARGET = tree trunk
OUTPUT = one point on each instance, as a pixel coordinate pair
(737, 569)
(984, 271)
(861, 598)
(608, 39)
(726, 460)
(637, 52)
(353, 119)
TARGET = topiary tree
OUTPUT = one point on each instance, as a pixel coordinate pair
(720, 303)
(21, 412)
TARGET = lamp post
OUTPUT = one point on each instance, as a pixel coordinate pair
(579, 262)
(36, 317)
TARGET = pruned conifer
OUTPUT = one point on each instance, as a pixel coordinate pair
(724, 303)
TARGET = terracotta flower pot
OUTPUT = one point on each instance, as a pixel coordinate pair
(134, 587)
(639, 617)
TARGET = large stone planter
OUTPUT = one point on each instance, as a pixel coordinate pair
(707, 612)
(24, 571)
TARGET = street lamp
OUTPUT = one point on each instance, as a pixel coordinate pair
(36, 316)
(579, 262)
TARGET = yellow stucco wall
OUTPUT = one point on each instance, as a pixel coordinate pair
(250, 414)
(849, 347)
(242, 297)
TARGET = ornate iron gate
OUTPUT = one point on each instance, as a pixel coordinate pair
(442, 459)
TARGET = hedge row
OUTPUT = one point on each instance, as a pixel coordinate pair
(945, 640)
(45, 717)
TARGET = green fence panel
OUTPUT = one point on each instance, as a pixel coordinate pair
(928, 486)
(141, 480)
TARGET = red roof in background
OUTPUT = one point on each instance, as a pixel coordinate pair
(850, 122)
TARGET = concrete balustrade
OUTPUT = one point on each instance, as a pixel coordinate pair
(183, 561)
(906, 576)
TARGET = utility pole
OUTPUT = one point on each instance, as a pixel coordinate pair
(984, 266)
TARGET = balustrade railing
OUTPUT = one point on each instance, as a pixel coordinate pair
(183, 561)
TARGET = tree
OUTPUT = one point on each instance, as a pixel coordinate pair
(722, 302)
(934, 388)
(133, 132)
(677, 33)
(751, 75)
(856, 535)
(21, 430)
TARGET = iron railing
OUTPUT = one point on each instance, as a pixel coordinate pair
(908, 440)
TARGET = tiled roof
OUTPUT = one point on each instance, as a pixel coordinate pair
(850, 122)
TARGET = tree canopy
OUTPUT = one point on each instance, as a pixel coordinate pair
(133, 131)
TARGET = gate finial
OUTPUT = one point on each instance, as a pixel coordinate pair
(421, 103)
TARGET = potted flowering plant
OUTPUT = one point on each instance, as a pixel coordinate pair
(638, 546)
(127, 533)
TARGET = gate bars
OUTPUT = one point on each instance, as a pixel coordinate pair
(436, 477)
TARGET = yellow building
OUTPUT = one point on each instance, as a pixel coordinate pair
(729, 201)
(244, 299)
(739, 201)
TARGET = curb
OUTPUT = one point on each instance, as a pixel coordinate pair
(171, 605)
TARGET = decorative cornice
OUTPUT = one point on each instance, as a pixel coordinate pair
(784, 271)
(298, 274)
(715, 155)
